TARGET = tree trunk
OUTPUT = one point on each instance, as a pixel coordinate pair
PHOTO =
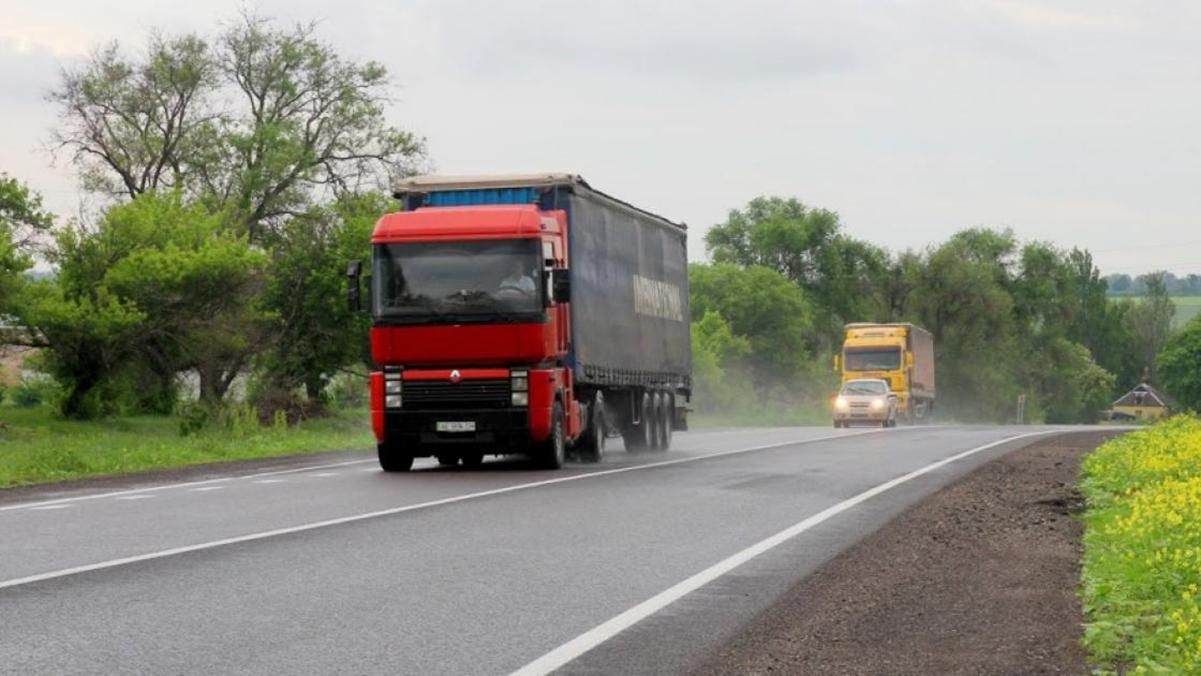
(73, 405)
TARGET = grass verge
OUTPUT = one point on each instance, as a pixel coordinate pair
(1142, 551)
(38, 447)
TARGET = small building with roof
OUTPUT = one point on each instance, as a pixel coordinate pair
(1144, 402)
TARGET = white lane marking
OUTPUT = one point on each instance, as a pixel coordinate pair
(271, 481)
(322, 475)
(603, 632)
(140, 496)
(203, 489)
(49, 507)
(174, 551)
(186, 484)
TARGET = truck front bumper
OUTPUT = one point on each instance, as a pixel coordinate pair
(496, 431)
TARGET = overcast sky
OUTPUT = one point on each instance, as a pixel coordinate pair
(1074, 122)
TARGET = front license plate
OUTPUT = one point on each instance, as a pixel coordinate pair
(455, 426)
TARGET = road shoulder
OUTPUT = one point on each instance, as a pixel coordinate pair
(980, 578)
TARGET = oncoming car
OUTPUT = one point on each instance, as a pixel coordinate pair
(867, 400)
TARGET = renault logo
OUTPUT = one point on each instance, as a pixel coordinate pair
(455, 376)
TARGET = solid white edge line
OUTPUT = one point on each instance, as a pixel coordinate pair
(251, 537)
(186, 484)
(594, 637)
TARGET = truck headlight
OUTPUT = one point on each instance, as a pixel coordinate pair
(392, 401)
(521, 398)
(520, 381)
(878, 404)
(840, 403)
(392, 386)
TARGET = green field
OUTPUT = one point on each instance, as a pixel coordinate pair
(1187, 307)
(37, 446)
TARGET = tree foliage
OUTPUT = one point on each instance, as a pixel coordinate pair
(809, 248)
(759, 304)
(317, 333)
(159, 286)
(1180, 365)
(302, 122)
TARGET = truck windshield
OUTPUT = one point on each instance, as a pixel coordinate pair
(457, 281)
(887, 359)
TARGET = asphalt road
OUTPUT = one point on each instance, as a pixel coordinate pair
(641, 564)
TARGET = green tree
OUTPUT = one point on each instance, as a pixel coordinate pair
(22, 221)
(1150, 323)
(260, 122)
(808, 247)
(760, 304)
(962, 296)
(1180, 365)
(317, 333)
(718, 359)
(158, 286)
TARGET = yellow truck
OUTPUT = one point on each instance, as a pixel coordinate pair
(901, 355)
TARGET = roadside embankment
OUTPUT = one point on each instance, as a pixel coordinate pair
(980, 578)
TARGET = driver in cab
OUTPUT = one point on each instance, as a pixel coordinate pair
(518, 280)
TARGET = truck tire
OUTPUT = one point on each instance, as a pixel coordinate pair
(552, 452)
(669, 419)
(638, 437)
(662, 422)
(472, 460)
(592, 443)
(393, 459)
(447, 460)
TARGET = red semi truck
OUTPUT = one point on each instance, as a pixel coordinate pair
(524, 314)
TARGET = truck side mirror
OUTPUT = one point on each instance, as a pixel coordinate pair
(353, 294)
(838, 362)
(560, 285)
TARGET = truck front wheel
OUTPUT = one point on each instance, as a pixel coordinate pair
(393, 459)
(551, 453)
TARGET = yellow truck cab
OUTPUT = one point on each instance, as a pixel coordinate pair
(900, 354)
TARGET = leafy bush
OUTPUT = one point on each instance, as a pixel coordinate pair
(35, 391)
(1142, 564)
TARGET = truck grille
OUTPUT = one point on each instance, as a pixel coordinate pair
(467, 394)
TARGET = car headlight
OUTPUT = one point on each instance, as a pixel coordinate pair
(841, 403)
(877, 404)
(521, 398)
(392, 401)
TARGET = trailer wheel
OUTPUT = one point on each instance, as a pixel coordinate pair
(639, 436)
(667, 428)
(552, 452)
(393, 459)
(592, 444)
(472, 460)
(447, 460)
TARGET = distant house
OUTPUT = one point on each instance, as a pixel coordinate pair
(1143, 403)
